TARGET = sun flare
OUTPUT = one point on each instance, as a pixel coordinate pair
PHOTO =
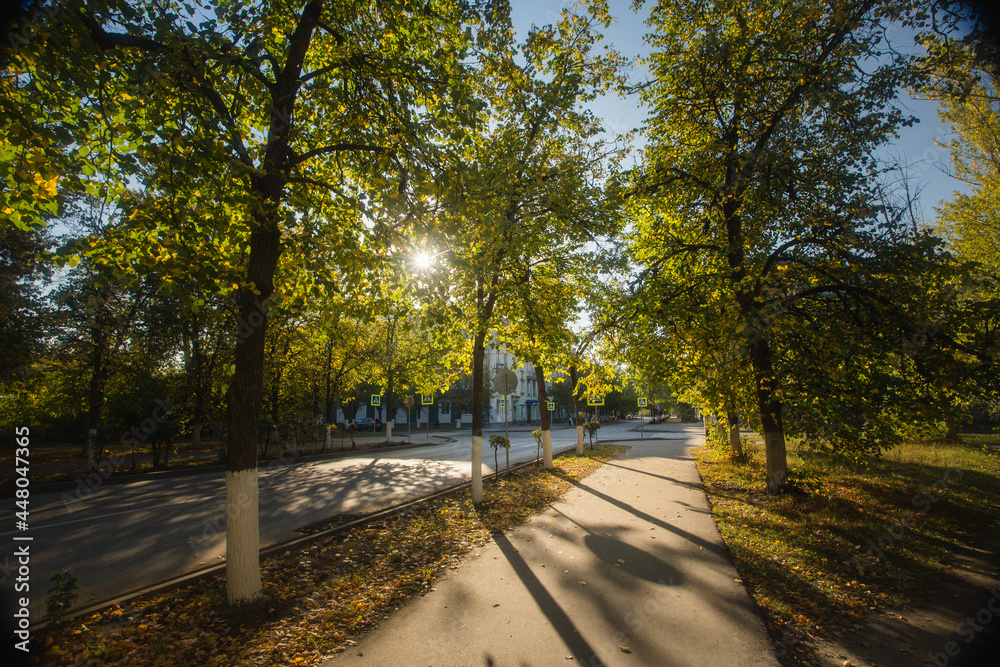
(423, 261)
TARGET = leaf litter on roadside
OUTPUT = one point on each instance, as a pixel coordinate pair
(318, 596)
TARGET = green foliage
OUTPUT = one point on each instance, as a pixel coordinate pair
(686, 413)
(62, 596)
(590, 429)
(270, 153)
(519, 199)
(21, 276)
(777, 274)
(498, 440)
(718, 436)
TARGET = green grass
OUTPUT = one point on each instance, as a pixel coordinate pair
(850, 539)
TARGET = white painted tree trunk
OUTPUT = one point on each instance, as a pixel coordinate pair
(388, 430)
(477, 468)
(547, 449)
(579, 439)
(326, 438)
(242, 537)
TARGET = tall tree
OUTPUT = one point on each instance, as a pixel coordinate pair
(526, 183)
(758, 175)
(290, 112)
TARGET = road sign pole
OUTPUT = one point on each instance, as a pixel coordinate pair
(505, 431)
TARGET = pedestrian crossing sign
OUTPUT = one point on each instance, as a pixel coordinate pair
(426, 399)
(595, 400)
(376, 400)
(551, 405)
(642, 402)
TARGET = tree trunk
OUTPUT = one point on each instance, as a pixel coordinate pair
(98, 381)
(951, 430)
(478, 355)
(390, 339)
(198, 416)
(735, 445)
(388, 408)
(245, 398)
(581, 411)
(543, 414)
(770, 416)
(328, 416)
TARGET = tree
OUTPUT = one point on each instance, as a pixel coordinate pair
(541, 307)
(22, 312)
(960, 71)
(523, 184)
(971, 222)
(758, 183)
(289, 112)
(98, 317)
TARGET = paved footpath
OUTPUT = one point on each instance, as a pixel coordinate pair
(627, 569)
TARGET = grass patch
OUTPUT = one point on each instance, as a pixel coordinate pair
(850, 539)
(319, 596)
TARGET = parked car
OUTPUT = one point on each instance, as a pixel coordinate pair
(366, 424)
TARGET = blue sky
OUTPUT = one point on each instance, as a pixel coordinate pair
(926, 162)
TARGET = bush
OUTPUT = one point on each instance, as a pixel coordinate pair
(496, 442)
(61, 597)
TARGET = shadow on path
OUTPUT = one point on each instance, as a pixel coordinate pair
(697, 486)
(582, 650)
(708, 546)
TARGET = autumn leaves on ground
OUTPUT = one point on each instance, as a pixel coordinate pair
(319, 596)
(850, 539)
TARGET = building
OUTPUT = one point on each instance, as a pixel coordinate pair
(522, 403)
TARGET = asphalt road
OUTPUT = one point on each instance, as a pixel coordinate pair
(127, 536)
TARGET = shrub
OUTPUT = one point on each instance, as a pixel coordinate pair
(62, 596)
